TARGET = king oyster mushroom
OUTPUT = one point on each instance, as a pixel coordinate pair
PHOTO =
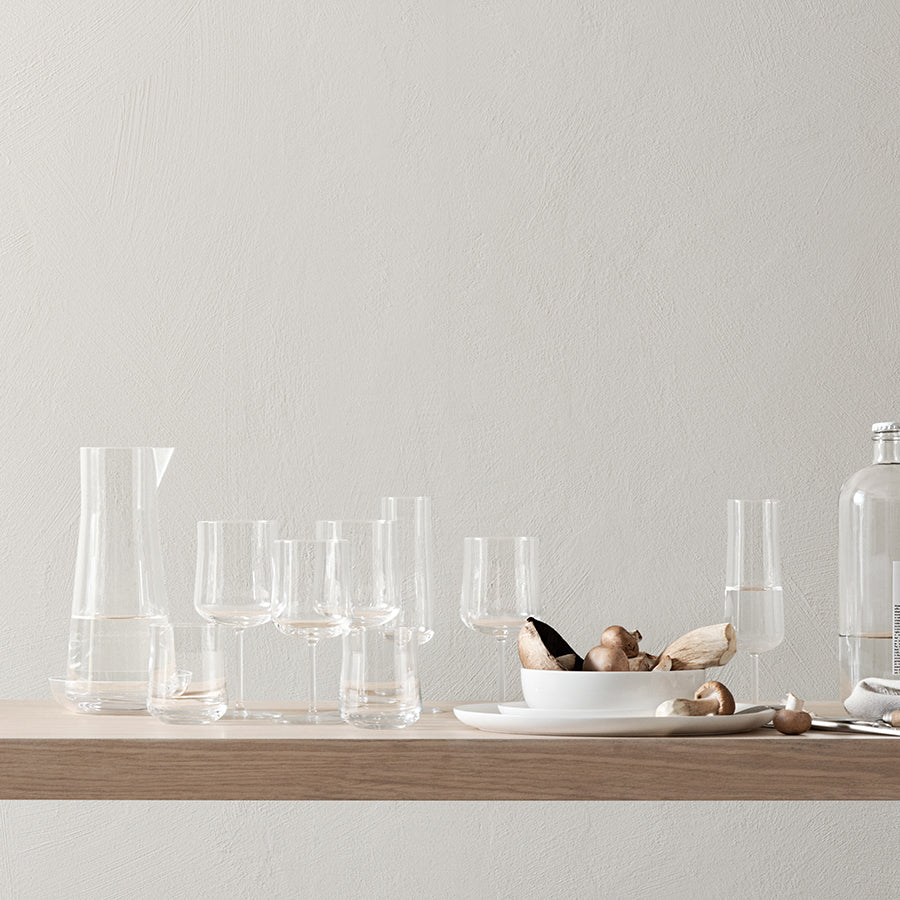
(543, 647)
(702, 648)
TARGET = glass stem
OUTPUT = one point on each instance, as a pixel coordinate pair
(501, 667)
(312, 677)
(754, 678)
(239, 655)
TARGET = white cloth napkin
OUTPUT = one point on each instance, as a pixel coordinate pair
(873, 697)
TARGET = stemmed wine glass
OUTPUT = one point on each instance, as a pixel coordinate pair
(499, 590)
(753, 594)
(374, 599)
(415, 554)
(312, 602)
(233, 586)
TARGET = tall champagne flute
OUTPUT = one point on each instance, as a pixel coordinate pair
(415, 555)
(499, 590)
(312, 602)
(233, 586)
(753, 593)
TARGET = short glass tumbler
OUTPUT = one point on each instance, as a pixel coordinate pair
(379, 678)
(187, 674)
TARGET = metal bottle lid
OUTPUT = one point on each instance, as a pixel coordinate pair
(885, 427)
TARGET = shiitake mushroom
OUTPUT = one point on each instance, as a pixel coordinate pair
(543, 647)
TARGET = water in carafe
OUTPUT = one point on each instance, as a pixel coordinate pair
(119, 584)
(869, 565)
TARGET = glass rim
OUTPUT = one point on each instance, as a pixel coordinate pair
(372, 524)
(123, 447)
(406, 497)
(308, 541)
(503, 537)
(377, 521)
(753, 501)
(237, 521)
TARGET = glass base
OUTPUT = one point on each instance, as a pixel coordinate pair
(328, 717)
(188, 717)
(251, 715)
(382, 720)
(104, 698)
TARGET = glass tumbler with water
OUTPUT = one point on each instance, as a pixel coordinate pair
(187, 674)
(379, 678)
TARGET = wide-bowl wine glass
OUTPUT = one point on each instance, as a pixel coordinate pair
(415, 560)
(753, 593)
(312, 600)
(233, 586)
(374, 599)
(499, 590)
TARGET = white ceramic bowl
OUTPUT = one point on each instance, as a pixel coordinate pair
(607, 691)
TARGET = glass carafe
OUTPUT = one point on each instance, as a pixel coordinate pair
(869, 564)
(119, 587)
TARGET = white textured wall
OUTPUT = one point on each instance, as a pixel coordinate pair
(577, 269)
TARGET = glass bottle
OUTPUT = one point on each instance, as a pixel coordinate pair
(869, 564)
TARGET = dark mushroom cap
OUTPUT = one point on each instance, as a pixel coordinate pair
(792, 721)
(721, 693)
(542, 647)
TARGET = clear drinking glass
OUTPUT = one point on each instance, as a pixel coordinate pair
(119, 588)
(415, 556)
(379, 678)
(499, 590)
(235, 575)
(374, 599)
(753, 591)
(187, 674)
(312, 601)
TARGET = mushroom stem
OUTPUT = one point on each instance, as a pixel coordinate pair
(710, 699)
(681, 706)
(792, 703)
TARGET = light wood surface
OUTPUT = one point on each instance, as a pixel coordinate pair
(46, 752)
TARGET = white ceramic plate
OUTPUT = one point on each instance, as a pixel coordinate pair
(487, 717)
(521, 708)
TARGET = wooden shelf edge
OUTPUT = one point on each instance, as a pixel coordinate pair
(439, 769)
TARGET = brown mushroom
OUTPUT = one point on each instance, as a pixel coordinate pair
(643, 662)
(718, 690)
(606, 659)
(792, 719)
(710, 699)
(625, 640)
(542, 647)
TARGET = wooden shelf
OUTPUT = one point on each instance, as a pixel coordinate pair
(48, 753)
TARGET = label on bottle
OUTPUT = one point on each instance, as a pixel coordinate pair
(895, 584)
